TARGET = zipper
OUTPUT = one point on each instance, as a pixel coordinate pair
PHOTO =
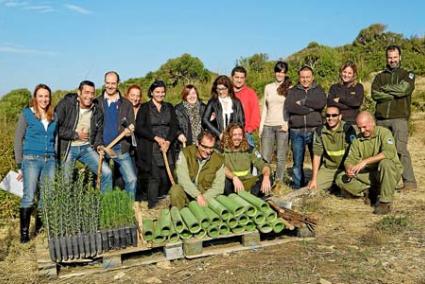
(305, 116)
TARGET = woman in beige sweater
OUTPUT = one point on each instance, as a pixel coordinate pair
(274, 122)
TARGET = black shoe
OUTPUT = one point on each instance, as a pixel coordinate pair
(38, 225)
(25, 218)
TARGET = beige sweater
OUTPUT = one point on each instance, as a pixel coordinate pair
(273, 108)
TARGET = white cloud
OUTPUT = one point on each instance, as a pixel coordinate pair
(40, 8)
(10, 48)
(14, 3)
(77, 9)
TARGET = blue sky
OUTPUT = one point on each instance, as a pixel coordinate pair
(61, 43)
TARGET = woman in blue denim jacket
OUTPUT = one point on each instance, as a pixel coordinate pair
(35, 152)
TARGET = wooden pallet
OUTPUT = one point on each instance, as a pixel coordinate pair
(195, 248)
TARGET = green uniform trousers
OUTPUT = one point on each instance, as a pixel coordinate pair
(326, 177)
(178, 197)
(385, 177)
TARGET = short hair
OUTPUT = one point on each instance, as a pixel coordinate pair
(206, 133)
(131, 87)
(222, 80)
(85, 83)
(186, 90)
(156, 84)
(393, 47)
(281, 66)
(334, 106)
(306, 68)
(113, 72)
(239, 69)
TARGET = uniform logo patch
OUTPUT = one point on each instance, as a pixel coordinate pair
(390, 141)
(411, 76)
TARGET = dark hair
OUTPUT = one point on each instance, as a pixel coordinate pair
(353, 66)
(34, 104)
(281, 66)
(305, 68)
(85, 83)
(392, 48)
(222, 80)
(186, 90)
(239, 69)
(334, 104)
(131, 87)
(113, 72)
(154, 85)
(206, 133)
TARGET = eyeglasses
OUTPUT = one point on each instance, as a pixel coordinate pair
(206, 147)
(221, 89)
(332, 114)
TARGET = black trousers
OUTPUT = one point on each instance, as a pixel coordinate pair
(158, 184)
(255, 190)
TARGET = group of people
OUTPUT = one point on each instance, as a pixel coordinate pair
(210, 149)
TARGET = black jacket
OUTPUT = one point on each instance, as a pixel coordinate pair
(350, 99)
(216, 126)
(126, 117)
(67, 112)
(145, 136)
(307, 114)
(184, 123)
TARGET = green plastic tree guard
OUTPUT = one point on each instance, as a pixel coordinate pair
(219, 209)
(200, 234)
(177, 219)
(254, 200)
(238, 229)
(250, 210)
(271, 216)
(232, 222)
(190, 221)
(243, 220)
(235, 208)
(199, 213)
(259, 218)
(213, 231)
(174, 235)
(212, 216)
(164, 222)
(278, 225)
(185, 234)
(147, 229)
(224, 229)
(250, 226)
(265, 228)
(158, 237)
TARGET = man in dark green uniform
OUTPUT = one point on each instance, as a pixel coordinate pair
(239, 160)
(330, 146)
(200, 173)
(372, 161)
(392, 90)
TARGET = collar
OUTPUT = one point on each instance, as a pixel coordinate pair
(313, 85)
(108, 98)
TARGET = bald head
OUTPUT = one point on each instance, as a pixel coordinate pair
(366, 123)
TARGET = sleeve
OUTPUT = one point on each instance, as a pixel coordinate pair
(354, 156)
(174, 125)
(333, 94)
(317, 144)
(316, 100)
(378, 94)
(241, 113)
(217, 186)
(402, 89)
(19, 138)
(388, 147)
(293, 108)
(263, 111)
(254, 110)
(257, 160)
(64, 133)
(183, 178)
(99, 129)
(353, 99)
(143, 130)
(206, 119)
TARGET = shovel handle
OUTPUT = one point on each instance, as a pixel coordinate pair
(167, 167)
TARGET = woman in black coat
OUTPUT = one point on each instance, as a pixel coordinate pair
(156, 129)
(223, 107)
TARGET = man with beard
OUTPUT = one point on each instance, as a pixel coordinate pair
(199, 171)
(392, 90)
(372, 161)
(239, 160)
(330, 146)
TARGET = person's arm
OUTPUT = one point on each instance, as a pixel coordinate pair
(334, 97)
(399, 90)
(378, 94)
(19, 138)
(254, 110)
(353, 158)
(353, 99)
(263, 112)
(206, 119)
(174, 125)
(217, 186)
(183, 178)
(316, 99)
(143, 130)
(240, 112)
(315, 171)
(64, 133)
(98, 141)
(293, 107)
(237, 183)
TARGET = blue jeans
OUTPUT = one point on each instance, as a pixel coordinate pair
(36, 170)
(299, 139)
(125, 165)
(271, 136)
(89, 157)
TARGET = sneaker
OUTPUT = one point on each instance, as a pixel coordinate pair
(382, 208)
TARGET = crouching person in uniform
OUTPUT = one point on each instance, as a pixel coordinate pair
(372, 162)
(239, 160)
(199, 172)
(330, 147)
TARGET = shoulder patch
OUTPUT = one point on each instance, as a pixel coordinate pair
(390, 141)
(411, 76)
(257, 154)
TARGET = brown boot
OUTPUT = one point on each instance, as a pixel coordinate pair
(382, 208)
(408, 185)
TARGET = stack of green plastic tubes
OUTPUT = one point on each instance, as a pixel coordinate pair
(200, 214)
(235, 208)
(148, 230)
(190, 221)
(219, 209)
(164, 222)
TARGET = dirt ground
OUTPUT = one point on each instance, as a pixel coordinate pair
(352, 245)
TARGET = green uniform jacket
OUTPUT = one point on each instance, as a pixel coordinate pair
(240, 164)
(382, 141)
(333, 145)
(392, 90)
(200, 177)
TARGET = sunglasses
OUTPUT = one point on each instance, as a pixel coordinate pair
(332, 114)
